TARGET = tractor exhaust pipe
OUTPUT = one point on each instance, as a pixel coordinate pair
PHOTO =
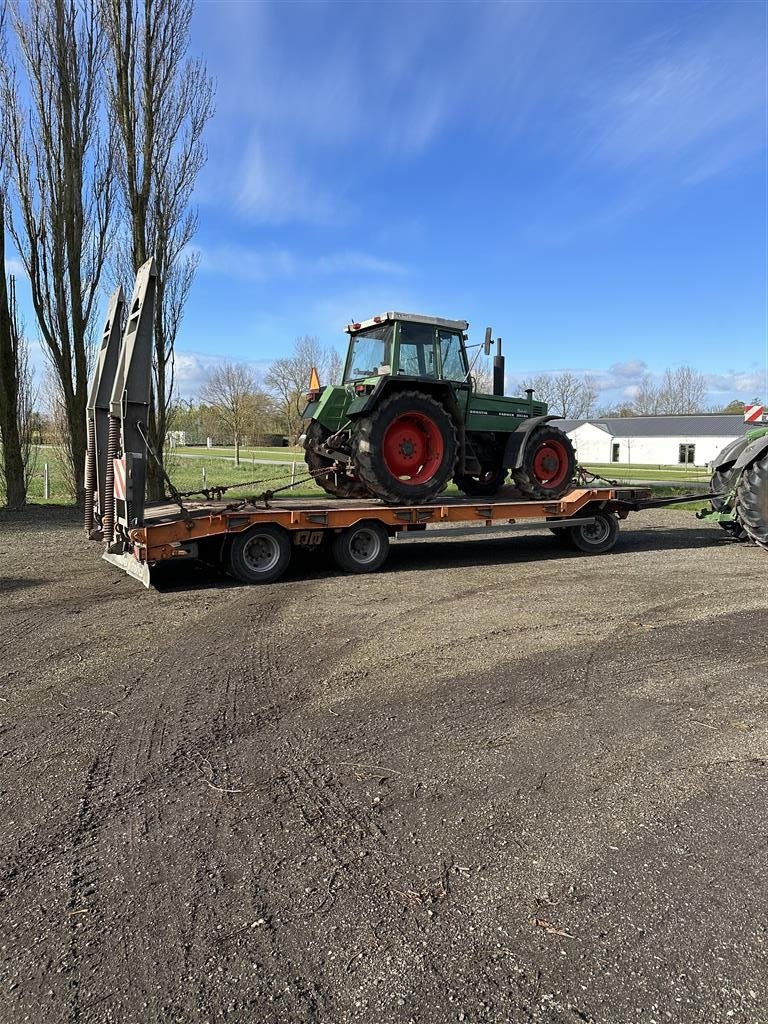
(498, 370)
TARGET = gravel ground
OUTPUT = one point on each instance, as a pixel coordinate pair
(495, 782)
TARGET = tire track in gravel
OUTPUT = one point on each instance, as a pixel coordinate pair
(84, 923)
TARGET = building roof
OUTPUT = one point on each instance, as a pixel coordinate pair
(701, 425)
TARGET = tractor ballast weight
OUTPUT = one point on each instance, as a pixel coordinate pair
(739, 486)
(408, 417)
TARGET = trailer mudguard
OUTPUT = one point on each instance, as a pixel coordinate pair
(518, 439)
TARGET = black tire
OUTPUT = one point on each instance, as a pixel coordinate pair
(260, 555)
(752, 501)
(432, 425)
(721, 484)
(337, 484)
(361, 548)
(547, 451)
(597, 538)
(488, 483)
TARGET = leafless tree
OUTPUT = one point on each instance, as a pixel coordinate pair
(679, 392)
(288, 378)
(647, 400)
(60, 171)
(683, 391)
(231, 390)
(16, 390)
(161, 101)
(567, 394)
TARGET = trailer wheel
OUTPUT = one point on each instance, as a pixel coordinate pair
(595, 538)
(260, 555)
(361, 548)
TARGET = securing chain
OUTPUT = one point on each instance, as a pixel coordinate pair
(175, 496)
(586, 477)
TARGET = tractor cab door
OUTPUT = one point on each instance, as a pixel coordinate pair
(453, 365)
(417, 354)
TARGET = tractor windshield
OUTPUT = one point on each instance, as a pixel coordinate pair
(370, 352)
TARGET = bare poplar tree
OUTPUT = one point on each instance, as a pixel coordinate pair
(61, 179)
(161, 101)
(16, 390)
(231, 390)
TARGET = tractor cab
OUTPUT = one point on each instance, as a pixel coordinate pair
(408, 345)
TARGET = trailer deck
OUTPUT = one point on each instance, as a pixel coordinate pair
(359, 531)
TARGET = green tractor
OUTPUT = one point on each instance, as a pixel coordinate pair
(407, 419)
(739, 488)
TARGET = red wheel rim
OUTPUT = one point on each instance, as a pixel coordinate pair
(551, 463)
(413, 448)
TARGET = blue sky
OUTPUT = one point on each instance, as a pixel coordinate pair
(589, 178)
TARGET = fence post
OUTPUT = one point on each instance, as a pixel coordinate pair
(46, 483)
(293, 473)
(205, 478)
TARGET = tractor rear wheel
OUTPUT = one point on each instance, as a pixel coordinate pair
(752, 501)
(549, 463)
(405, 450)
(333, 481)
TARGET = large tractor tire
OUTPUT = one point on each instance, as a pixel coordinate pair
(752, 501)
(720, 484)
(405, 450)
(549, 464)
(333, 482)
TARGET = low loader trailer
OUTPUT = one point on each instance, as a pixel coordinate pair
(255, 543)
(254, 538)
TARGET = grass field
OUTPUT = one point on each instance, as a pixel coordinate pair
(191, 469)
(618, 471)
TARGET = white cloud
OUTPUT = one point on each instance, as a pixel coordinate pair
(245, 263)
(191, 368)
(694, 105)
(15, 267)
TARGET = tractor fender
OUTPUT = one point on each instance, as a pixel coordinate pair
(725, 459)
(440, 390)
(752, 452)
(518, 439)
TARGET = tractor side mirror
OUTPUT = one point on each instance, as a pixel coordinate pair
(488, 340)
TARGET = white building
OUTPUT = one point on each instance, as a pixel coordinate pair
(653, 440)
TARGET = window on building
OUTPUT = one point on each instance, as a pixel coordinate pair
(615, 452)
(687, 454)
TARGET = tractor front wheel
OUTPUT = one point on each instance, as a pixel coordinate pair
(549, 463)
(405, 450)
(333, 481)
